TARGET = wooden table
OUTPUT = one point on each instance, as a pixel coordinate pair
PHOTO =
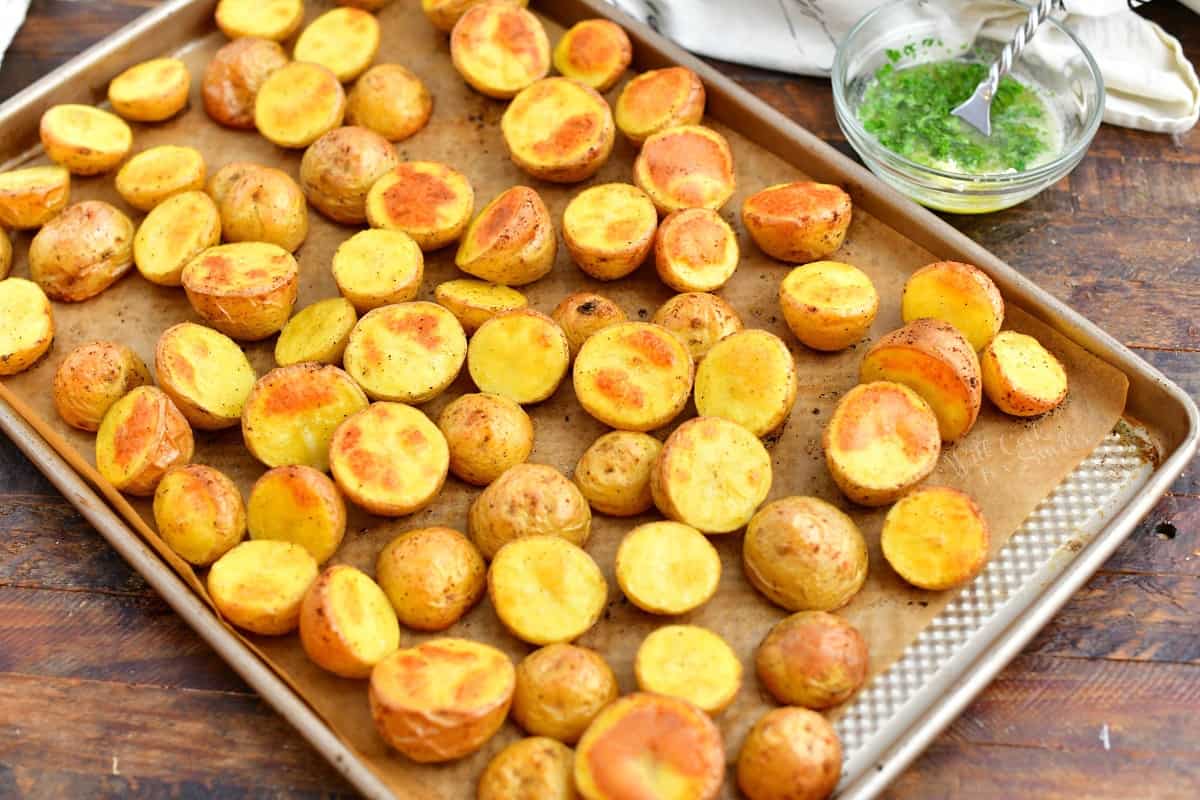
(104, 691)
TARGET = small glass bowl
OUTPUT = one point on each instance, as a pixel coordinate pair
(910, 32)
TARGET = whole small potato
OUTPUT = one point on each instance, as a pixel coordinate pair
(529, 769)
(260, 586)
(529, 500)
(151, 91)
(812, 659)
(582, 314)
(390, 100)
(259, 204)
(432, 576)
(232, 78)
(798, 222)
(199, 513)
(699, 319)
(91, 378)
(486, 434)
(339, 169)
(560, 690)
(790, 754)
(82, 251)
(614, 472)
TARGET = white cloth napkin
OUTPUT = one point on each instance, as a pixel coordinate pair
(1150, 83)
(12, 14)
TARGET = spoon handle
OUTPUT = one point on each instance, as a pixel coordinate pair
(1012, 51)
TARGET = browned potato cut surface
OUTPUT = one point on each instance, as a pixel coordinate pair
(582, 314)
(474, 302)
(266, 19)
(529, 500)
(560, 690)
(667, 568)
(339, 168)
(958, 293)
(812, 659)
(536, 768)
(141, 437)
(347, 625)
(429, 201)
(28, 327)
(609, 229)
(151, 91)
(259, 204)
(522, 355)
(749, 378)
(614, 473)
(633, 376)
(828, 305)
(935, 538)
(595, 52)
(375, 268)
(688, 166)
(432, 576)
(790, 754)
(91, 378)
(260, 585)
(82, 251)
(173, 233)
(512, 240)
(699, 319)
(205, 373)
(659, 99)
(558, 130)
(233, 77)
(84, 139)
(695, 250)
(691, 663)
(1021, 377)
(499, 48)
(344, 40)
(300, 505)
(199, 513)
(407, 352)
(390, 100)
(245, 290)
(317, 333)
(297, 103)
(486, 434)
(30, 197)
(545, 589)
(799, 221)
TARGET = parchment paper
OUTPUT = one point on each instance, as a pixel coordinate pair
(1007, 465)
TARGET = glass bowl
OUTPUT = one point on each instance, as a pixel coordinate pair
(909, 32)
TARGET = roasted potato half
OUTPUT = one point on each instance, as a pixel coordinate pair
(699, 319)
(375, 268)
(545, 589)
(798, 222)
(432, 576)
(522, 355)
(173, 233)
(429, 201)
(297, 103)
(245, 290)
(790, 754)
(695, 250)
(659, 99)
(1021, 377)
(828, 305)
(28, 325)
(512, 240)
(933, 359)
(266, 19)
(594, 52)
(199, 513)
(260, 204)
(233, 77)
(30, 197)
(689, 166)
(445, 13)
(317, 333)
(85, 139)
(474, 302)
(667, 568)
(205, 374)
(141, 437)
(390, 459)
(748, 377)
(407, 352)
(691, 663)
(91, 378)
(812, 659)
(536, 768)
(339, 168)
(499, 48)
(442, 699)
(582, 314)
(6, 254)
(300, 505)
(158, 173)
(259, 586)
(486, 434)
(614, 473)
(650, 745)
(935, 538)
(712, 474)
(528, 500)
(81, 252)
(292, 413)
(151, 91)
(347, 625)
(633, 376)
(558, 130)
(344, 40)
(390, 100)
(560, 690)
(958, 293)
(881, 441)
(609, 229)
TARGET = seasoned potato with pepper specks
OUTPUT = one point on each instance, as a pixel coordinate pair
(633, 376)
(28, 327)
(958, 293)
(659, 99)
(84, 139)
(91, 378)
(428, 200)
(558, 130)
(432, 576)
(300, 505)
(522, 355)
(317, 333)
(798, 222)
(156, 174)
(265, 19)
(512, 240)
(233, 77)
(545, 589)
(82, 251)
(614, 473)
(667, 568)
(407, 352)
(486, 434)
(528, 500)
(259, 204)
(560, 690)
(260, 586)
(695, 250)
(1021, 377)
(30, 197)
(609, 229)
(141, 437)
(347, 625)
(390, 100)
(344, 40)
(244, 290)
(828, 305)
(339, 168)
(691, 663)
(749, 378)
(151, 91)
(474, 302)
(689, 166)
(699, 319)
(582, 314)
(812, 659)
(173, 233)
(529, 769)
(199, 513)
(790, 754)
(375, 268)
(936, 538)
(297, 103)
(499, 49)
(205, 373)
(595, 52)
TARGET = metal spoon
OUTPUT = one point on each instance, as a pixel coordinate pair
(977, 110)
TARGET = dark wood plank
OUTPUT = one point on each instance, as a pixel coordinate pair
(1167, 542)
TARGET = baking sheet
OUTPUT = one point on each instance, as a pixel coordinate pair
(1008, 466)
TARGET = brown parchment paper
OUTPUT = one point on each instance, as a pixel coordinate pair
(1009, 466)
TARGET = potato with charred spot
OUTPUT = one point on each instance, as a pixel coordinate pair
(659, 99)
(936, 538)
(267, 19)
(695, 250)
(474, 302)
(812, 659)
(594, 52)
(345, 40)
(428, 200)
(1021, 377)
(689, 166)
(499, 49)
(609, 229)
(432, 576)
(151, 91)
(829, 305)
(156, 174)
(297, 103)
(487, 434)
(300, 505)
(244, 290)
(233, 77)
(798, 222)
(582, 314)
(376, 268)
(633, 376)
(545, 589)
(82, 251)
(560, 690)
(614, 473)
(199, 513)
(528, 500)
(390, 100)
(749, 378)
(91, 378)
(512, 240)
(339, 169)
(790, 754)
(529, 769)
(259, 586)
(691, 663)
(141, 437)
(958, 293)
(84, 139)
(347, 625)
(205, 373)
(30, 197)
(28, 327)
(407, 352)
(174, 232)
(522, 355)
(443, 14)
(260, 204)
(667, 568)
(699, 319)
(558, 130)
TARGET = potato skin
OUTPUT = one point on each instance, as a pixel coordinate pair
(790, 754)
(84, 139)
(812, 659)
(958, 293)
(141, 437)
(487, 434)
(828, 305)
(578, 140)
(699, 320)
(259, 204)
(659, 99)
(245, 290)
(347, 625)
(614, 473)
(233, 77)
(560, 689)
(517, 37)
(390, 100)
(798, 222)
(260, 585)
(583, 313)
(28, 331)
(529, 769)
(338, 169)
(297, 504)
(151, 91)
(91, 378)
(1007, 364)
(30, 197)
(199, 513)
(432, 576)
(529, 500)
(174, 232)
(82, 251)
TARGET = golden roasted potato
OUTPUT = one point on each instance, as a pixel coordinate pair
(667, 568)
(339, 169)
(545, 589)
(300, 505)
(84, 139)
(259, 204)
(429, 201)
(91, 378)
(1021, 377)
(375, 268)
(474, 302)
(265, 19)
(28, 327)
(695, 250)
(407, 352)
(699, 319)
(158, 173)
(347, 625)
(609, 229)
(82, 251)
(445, 13)
(151, 91)
(390, 100)
(245, 290)
(582, 314)
(790, 754)
(804, 554)
(934, 360)
(297, 103)
(344, 40)
(317, 333)
(260, 586)
(512, 240)
(30, 197)
(799, 221)
(529, 769)
(522, 355)
(595, 52)
(432, 576)
(935, 538)
(365, 5)
(650, 745)
(748, 377)
(691, 663)
(442, 699)
(5, 254)
(659, 99)
(560, 690)
(812, 659)
(958, 293)
(233, 77)
(689, 166)
(141, 437)
(173, 233)
(292, 413)
(881, 441)
(712, 474)
(558, 130)
(614, 473)
(828, 305)
(199, 513)
(205, 374)
(390, 459)
(528, 500)
(486, 434)
(499, 48)
(633, 376)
